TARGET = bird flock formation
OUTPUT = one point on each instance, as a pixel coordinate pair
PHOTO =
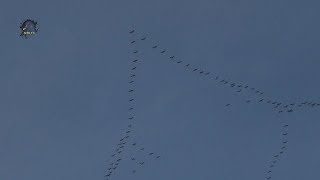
(276, 157)
(128, 139)
(257, 96)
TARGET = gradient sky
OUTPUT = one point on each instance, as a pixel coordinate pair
(64, 99)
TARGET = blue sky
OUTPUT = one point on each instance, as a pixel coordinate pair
(64, 92)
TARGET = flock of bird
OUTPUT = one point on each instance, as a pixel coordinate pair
(281, 150)
(258, 97)
(128, 139)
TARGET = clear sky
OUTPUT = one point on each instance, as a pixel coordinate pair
(64, 92)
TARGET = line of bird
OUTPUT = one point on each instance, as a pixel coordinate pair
(280, 107)
(281, 151)
(127, 140)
